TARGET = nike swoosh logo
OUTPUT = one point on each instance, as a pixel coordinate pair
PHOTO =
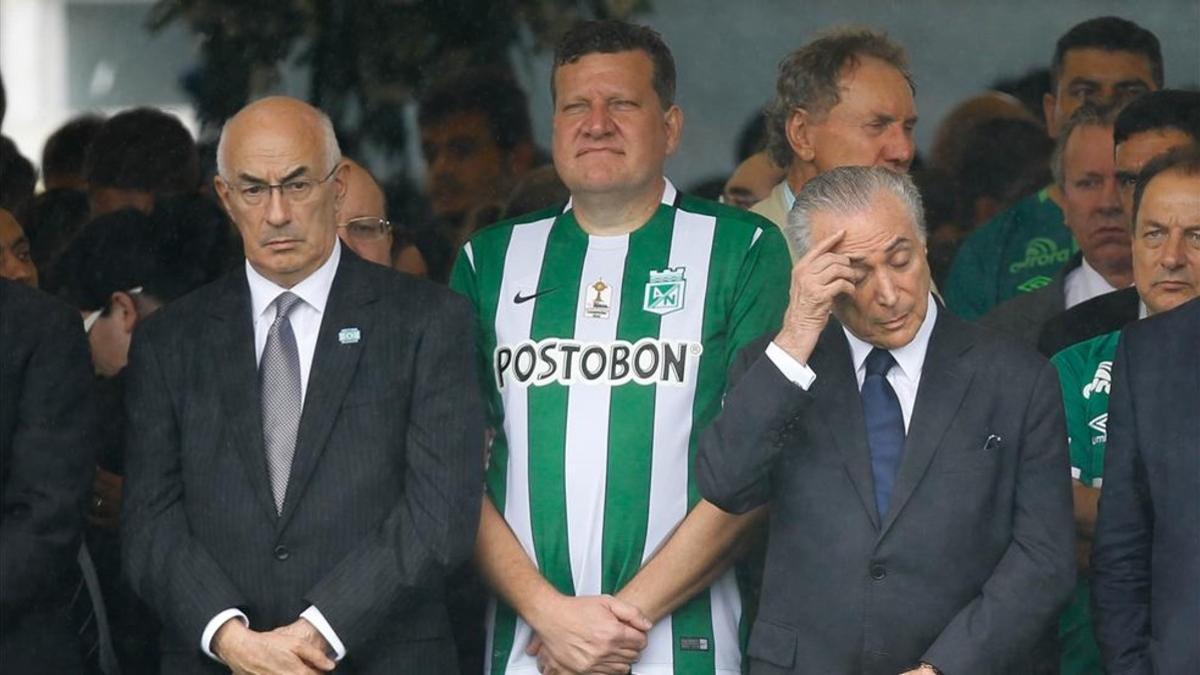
(518, 298)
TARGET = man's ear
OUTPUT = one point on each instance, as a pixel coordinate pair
(673, 120)
(124, 309)
(340, 177)
(222, 190)
(1049, 103)
(798, 130)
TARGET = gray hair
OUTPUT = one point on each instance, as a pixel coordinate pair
(1086, 115)
(808, 78)
(331, 153)
(847, 190)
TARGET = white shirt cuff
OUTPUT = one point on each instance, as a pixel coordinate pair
(799, 374)
(217, 621)
(317, 619)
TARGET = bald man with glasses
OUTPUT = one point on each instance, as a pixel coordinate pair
(305, 453)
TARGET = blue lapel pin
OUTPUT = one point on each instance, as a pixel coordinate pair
(349, 336)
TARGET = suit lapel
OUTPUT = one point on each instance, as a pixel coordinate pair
(231, 339)
(840, 403)
(945, 378)
(334, 363)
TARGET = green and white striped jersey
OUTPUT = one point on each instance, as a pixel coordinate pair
(603, 359)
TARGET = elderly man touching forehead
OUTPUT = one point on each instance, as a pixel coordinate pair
(280, 515)
(874, 424)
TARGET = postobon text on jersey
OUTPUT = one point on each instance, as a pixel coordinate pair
(647, 361)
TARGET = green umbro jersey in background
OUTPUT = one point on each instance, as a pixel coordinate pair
(1085, 373)
(604, 358)
(1018, 251)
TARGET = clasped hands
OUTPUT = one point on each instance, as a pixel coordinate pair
(587, 634)
(292, 649)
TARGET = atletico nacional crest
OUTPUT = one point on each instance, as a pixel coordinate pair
(664, 291)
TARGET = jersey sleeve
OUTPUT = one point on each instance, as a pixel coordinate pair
(762, 290)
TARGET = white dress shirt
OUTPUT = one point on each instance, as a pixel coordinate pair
(904, 377)
(305, 318)
(789, 197)
(1084, 283)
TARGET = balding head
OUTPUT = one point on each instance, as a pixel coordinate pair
(285, 114)
(364, 197)
(363, 222)
(281, 179)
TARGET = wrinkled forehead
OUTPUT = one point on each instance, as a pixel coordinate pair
(1172, 193)
(872, 230)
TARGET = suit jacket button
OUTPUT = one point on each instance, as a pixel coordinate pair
(282, 553)
(878, 573)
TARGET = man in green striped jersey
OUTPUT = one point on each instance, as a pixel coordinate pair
(1166, 271)
(606, 328)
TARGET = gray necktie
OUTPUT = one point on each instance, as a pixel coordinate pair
(279, 381)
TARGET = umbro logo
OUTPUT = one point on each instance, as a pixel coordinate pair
(519, 299)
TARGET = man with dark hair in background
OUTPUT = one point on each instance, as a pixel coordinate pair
(17, 176)
(51, 220)
(137, 156)
(996, 156)
(1145, 590)
(477, 140)
(844, 99)
(632, 301)
(1146, 128)
(124, 266)
(16, 257)
(990, 163)
(64, 153)
(1084, 172)
(1105, 61)
(47, 442)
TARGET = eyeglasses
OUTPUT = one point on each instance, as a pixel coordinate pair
(367, 228)
(296, 190)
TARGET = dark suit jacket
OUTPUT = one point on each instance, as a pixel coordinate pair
(1024, 316)
(385, 486)
(47, 449)
(1101, 315)
(1146, 553)
(975, 558)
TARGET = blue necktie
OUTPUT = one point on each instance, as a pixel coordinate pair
(885, 425)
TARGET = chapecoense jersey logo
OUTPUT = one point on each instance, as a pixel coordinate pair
(554, 361)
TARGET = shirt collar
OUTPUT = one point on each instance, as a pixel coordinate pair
(668, 196)
(313, 290)
(1093, 280)
(789, 197)
(911, 357)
